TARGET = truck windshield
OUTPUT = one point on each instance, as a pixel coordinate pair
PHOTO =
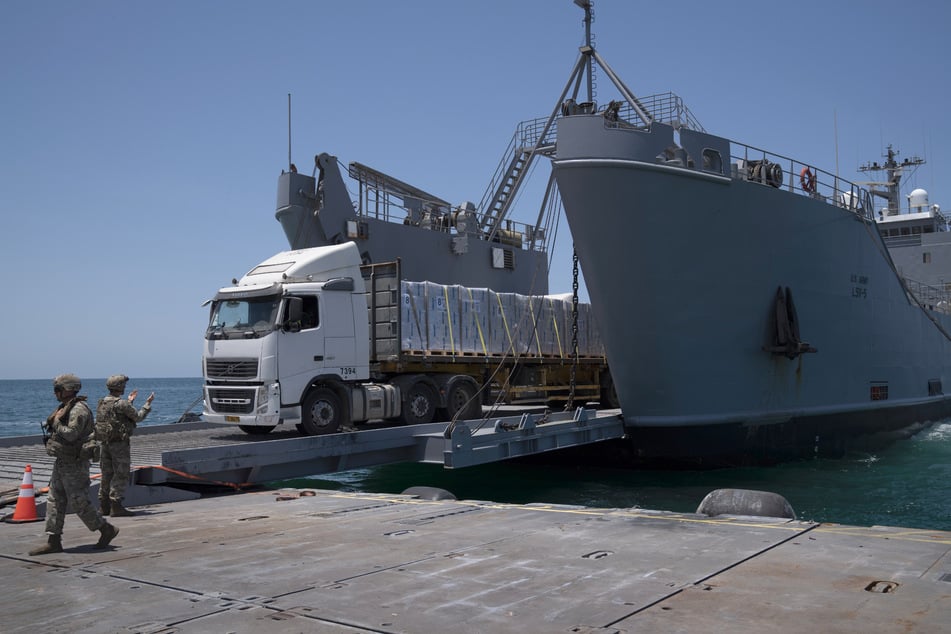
(242, 318)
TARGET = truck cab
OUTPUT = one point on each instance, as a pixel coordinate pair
(291, 322)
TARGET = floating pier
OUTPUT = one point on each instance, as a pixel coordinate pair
(325, 561)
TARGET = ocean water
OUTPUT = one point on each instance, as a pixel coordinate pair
(25, 404)
(907, 484)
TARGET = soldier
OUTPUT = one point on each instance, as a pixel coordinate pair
(70, 427)
(115, 421)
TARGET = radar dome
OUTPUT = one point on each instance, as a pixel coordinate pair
(918, 201)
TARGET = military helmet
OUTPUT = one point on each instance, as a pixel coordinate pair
(117, 382)
(68, 382)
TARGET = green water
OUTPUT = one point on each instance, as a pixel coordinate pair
(908, 484)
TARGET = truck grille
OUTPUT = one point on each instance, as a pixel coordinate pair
(231, 369)
(231, 401)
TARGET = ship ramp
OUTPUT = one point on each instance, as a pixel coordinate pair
(165, 457)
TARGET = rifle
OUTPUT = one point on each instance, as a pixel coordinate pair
(47, 427)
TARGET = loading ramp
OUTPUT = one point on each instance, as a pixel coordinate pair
(469, 443)
(210, 454)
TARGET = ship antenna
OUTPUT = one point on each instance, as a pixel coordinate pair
(588, 18)
(290, 163)
(835, 134)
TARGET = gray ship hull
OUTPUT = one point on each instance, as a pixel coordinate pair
(683, 265)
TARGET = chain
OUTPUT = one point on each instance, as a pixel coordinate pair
(574, 330)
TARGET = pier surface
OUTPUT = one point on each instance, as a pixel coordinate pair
(322, 561)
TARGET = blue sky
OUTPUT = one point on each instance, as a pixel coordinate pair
(140, 142)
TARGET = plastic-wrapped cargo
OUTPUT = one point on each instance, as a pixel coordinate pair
(553, 327)
(439, 318)
(413, 332)
(456, 320)
(500, 332)
(474, 319)
(511, 316)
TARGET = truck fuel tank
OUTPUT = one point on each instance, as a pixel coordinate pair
(373, 401)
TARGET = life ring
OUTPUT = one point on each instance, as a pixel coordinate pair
(808, 180)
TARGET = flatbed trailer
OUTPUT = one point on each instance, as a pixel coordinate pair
(529, 361)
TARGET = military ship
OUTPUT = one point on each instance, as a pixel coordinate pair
(917, 235)
(434, 240)
(749, 306)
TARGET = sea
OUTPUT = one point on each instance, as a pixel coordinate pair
(908, 484)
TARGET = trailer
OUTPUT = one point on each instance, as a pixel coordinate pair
(316, 339)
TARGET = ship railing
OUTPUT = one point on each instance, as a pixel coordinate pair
(382, 197)
(503, 186)
(665, 107)
(520, 235)
(510, 233)
(931, 297)
(758, 165)
(902, 241)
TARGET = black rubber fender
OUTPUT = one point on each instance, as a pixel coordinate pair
(746, 502)
(429, 493)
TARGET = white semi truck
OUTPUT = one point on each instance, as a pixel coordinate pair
(315, 339)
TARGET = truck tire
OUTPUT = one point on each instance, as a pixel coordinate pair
(321, 412)
(256, 430)
(462, 399)
(419, 407)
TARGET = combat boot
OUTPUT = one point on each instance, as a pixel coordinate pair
(54, 544)
(107, 533)
(120, 511)
(104, 506)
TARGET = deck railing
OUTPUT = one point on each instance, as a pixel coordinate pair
(752, 163)
(931, 297)
(755, 164)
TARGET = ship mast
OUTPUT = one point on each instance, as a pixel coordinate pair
(495, 212)
(889, 190)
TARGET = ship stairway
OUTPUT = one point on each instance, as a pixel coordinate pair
(526, 144)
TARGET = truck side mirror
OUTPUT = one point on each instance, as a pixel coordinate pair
(295, 312)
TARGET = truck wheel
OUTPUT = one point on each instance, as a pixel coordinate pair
(420, 405)
(462, 399)
(256, 430)
(321, 412)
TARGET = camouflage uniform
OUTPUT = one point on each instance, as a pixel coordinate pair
(69, 483)
(116, 419)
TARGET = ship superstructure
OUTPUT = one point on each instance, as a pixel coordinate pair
(917, 233)
(476, 246)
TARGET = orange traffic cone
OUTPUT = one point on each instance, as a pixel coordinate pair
(26, 501)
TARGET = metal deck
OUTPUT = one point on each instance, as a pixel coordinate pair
(336, 562)
(329, 561)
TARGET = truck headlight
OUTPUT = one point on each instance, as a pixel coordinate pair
(263, 397)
